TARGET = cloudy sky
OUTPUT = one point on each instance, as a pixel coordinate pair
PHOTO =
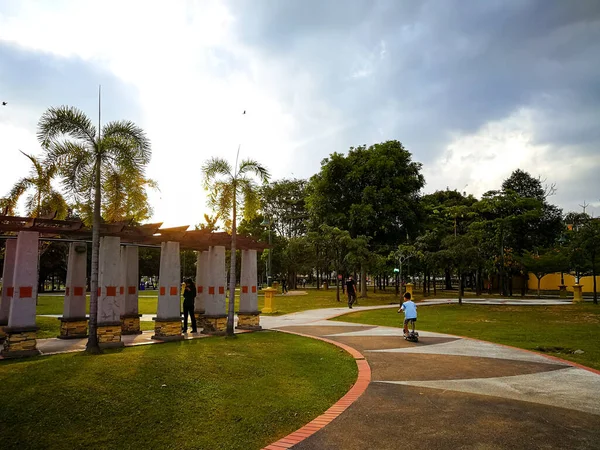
(474, 89)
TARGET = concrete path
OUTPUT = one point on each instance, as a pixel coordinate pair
(448, 392)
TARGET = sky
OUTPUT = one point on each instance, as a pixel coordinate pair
(473, 89)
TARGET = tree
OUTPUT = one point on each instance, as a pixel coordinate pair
(543, 262)
(44, 199)
(83, 155)
(229, 191)
(461, 253)
(584, 248)
(283, 202)
(125, 196)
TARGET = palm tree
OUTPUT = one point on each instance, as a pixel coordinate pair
(44, 199)
(83, 155)
(227, 188)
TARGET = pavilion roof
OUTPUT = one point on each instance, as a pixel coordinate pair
(146, 234)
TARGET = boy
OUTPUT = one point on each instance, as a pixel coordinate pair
(410, 311)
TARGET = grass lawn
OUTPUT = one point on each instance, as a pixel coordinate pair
(555, 330)
(214, 393)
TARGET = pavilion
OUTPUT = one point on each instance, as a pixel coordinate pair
(118, 280)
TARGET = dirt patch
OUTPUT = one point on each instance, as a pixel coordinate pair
(324, 330)
(420, 367)
(362, 343)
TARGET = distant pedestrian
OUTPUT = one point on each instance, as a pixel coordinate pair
(284, 288)
(189, 295)
(351, 291)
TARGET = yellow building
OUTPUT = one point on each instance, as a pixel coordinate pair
(551, 282)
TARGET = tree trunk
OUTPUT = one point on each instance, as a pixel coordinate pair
(363, 281)
(92, 343)
(539, 282)
(448, 279)
(318, 287)
(460, 288)
(231, 308)
(434, 284)
(337, 288)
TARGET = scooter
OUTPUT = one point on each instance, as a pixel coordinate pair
(412, 335)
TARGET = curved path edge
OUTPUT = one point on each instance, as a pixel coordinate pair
(359, 387)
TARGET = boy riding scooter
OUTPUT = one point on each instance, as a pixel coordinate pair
(410, 316)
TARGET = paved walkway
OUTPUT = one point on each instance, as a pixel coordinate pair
(448, 392)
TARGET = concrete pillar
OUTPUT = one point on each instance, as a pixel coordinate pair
(20, 332)
(202, 277)
(215, 315)
(10, 253)
(130, 317)
(577, 293)
(248, 315)
(109, 309)
(73, 323)
(167, 325)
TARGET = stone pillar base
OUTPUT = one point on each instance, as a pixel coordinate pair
(109, 335)
(249, 321)
(577, 293)
(563, 290)
(215, 325)
(73, 327)
(200, 319)
(130, 324)
(2, 332)
(19, 342)
(167, 329)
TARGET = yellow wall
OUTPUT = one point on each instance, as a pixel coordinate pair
(551, 282)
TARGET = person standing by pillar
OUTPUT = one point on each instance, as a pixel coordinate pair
(189, 295)
(351, 291)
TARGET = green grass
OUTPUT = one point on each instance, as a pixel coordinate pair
(53, 304)
(225, 393)
(555, 330)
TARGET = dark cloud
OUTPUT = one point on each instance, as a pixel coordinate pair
(455, 65)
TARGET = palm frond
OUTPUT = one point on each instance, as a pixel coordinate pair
(125, 140)
(251, 199)
(65, 121)
(214, 167)
(251, 166)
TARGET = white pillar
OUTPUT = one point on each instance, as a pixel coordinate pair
(109, 309)
(248, 281)
(20, 340)
(214, 312)
(168, 317)
(130, 318)
(249, 315)
(73, 323)
(10, 254)
(202, 277)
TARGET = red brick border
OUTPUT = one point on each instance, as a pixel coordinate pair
(363, 380)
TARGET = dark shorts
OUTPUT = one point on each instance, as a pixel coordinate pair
(406, 321)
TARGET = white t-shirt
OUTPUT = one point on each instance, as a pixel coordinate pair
(410, 309)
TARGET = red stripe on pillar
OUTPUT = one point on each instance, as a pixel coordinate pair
(173, 290)
(121, 290)
(131, 290)
(77, 290)
(244, 289)
(221, 289)
(10, 291)
(200, 289)
(254, 289)
(211, 290)
(162, 290)
(67, 290)
(111, 291)
(25, 292)
(99, 292)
